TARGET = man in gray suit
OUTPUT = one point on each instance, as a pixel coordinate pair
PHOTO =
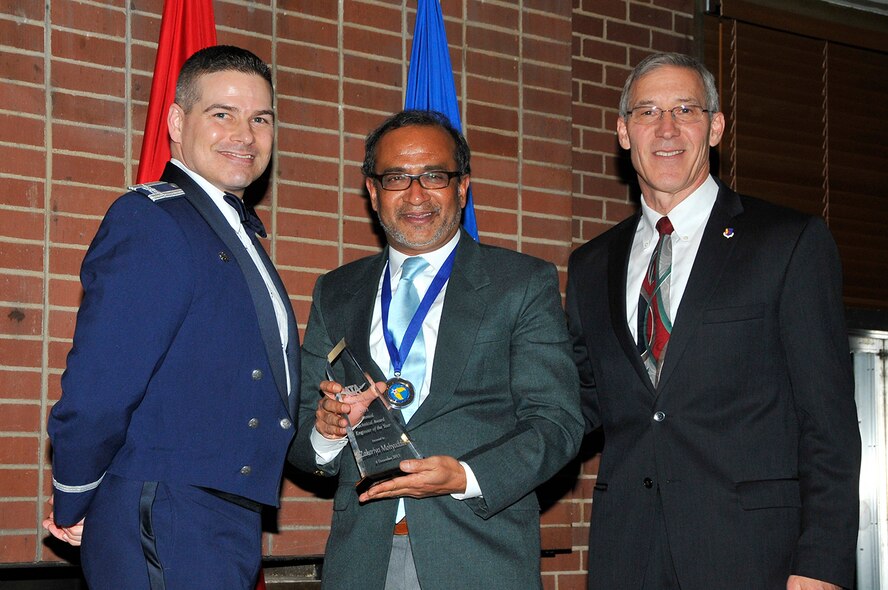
(496, 409)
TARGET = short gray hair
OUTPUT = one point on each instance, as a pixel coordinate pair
(680, 60)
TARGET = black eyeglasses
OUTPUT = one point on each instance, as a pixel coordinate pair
(399, 181)
(683, 113)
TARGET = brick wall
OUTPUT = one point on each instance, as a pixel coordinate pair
(538, 82)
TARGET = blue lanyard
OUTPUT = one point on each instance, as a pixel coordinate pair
(399, 355)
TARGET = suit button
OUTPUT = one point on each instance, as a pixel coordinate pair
(256, 374)
(648, 483)
(659, 416)
(245, 470)
(285, 423)
(253, 423)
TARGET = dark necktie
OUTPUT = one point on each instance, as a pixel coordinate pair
(654, 323)
(247, 215)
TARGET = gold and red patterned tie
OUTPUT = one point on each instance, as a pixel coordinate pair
(654, 323)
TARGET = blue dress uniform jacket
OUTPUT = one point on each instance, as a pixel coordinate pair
(176, 373)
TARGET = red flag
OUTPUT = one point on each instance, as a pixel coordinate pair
(186, 26)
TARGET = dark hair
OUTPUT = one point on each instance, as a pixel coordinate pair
(658, 60)
(218, 58)
(461, 153)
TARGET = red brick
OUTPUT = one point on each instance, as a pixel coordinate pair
(21, 257)
(486, 39)
(546, 126)
(81, 77)
(83, 109)
(66, 261)
(20, 321)
(102, 20)
(504, 94)
(308, 255)
(685, 6)
(555, 254)
(362, 233)
(546, 228)
(544, 101)
(19, 384)
(300, 542)
(379, 43)
(23, 99)
(372, 96)
(479, 11)
(590, 208)
(550, 25)
(58, 353)
(246, 18)
(27, 225)
(22, 68)
(82, 200)
(18, 483)
(304, 29)
(504, 69)
(614, 8)
(312, 513)
(587, 72)
(18, 548)
(504, 197)
(548, 177)
(20, 418)
(298, 112)
(553, 52)
(22, 289)
(305, 198)
(484, 168)
(503, 222)
(327, 10)
(482, 115)
(605, 51)
(21, 35)
(28, 10)
(584, 24)
(88, 170)
(65, 292)
(18, 450)
(546, 202)
(72, 231)
(488, 142)
(87, 48)
(681, 42)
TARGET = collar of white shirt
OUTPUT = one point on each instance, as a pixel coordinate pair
(216, 195)
(688, 217)
(435, 258)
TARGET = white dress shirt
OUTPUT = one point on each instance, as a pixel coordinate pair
(327, 449)
(233, 218)
(688, 220)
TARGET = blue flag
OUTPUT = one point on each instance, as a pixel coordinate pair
(430, 80)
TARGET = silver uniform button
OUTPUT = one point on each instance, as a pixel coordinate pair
(245, 470)
(253, 423)
(660, 416)
(285, 423)
(256, 374)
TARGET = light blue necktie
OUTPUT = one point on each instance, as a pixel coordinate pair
(403, 306)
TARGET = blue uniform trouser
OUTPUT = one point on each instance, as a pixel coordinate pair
(156, 536)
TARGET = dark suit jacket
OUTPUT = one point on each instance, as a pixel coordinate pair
(503, 398)
(757, 458)
(176, 349)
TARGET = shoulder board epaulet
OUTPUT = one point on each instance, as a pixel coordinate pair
(158, 191)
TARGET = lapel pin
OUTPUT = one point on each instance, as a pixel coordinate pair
(223, 256)
(728, 233)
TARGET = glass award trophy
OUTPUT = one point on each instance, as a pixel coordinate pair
(378, 441)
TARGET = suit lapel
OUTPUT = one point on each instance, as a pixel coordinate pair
(356, 304)
(706, 272)
(464, 308)
(618, 267)
(258, 291)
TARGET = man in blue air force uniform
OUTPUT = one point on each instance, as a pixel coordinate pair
(178, 401)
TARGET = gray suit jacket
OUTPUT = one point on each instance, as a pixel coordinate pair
(503, 398)
(750, 441)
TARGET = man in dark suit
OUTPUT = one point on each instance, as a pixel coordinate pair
(179, 396)
(496, 410)
(712, 351)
